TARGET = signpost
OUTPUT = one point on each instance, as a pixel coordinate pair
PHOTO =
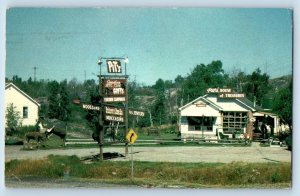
(131, 138)
(113, 88)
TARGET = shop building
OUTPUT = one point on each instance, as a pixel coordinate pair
(216, 114)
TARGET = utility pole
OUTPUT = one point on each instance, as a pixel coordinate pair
(34, 68)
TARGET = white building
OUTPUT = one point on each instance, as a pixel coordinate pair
(25, 105)
(210, 115)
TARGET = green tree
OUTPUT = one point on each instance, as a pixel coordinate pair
(13, 119)
(282, 104)
(257, 86)
(158, 110)
(201, 78)
(58, 101)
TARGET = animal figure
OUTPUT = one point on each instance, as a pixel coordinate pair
(56, 131)
(37, 136)
(50, 127)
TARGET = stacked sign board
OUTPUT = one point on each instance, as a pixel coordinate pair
(114, 91)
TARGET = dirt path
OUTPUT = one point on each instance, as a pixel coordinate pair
(255, 153)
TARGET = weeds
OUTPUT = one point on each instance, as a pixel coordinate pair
(156, 173)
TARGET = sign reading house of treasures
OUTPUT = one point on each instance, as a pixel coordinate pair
(225, 93)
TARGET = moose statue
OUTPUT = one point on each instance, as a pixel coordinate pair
(50, 127)
(36, 136)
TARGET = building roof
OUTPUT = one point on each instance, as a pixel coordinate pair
(203, 99)
(22, 92)
(243, 101)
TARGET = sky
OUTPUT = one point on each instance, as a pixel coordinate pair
(65, 43)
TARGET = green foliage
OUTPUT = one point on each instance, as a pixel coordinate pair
(23, 130)
(201, 78)
(159, 107)
(59, 101)
(257, 86)
(282, 104)
(13, 119)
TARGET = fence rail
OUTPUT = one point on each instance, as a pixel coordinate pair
(87, 141)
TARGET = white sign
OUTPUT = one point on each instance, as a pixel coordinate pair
(232, 95)
(114, 111)
(113, 66)
(114, 99)
(136, 113)
(219, 90)
(114, 118)
(90, 107)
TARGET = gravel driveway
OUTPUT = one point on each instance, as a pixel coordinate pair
(222, 154)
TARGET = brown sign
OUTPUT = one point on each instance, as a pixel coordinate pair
(136, 113)
(113, 111)
(114, 118)
(114, 99)
(114, 87)
(231, 95)
(90, 107)
(113, 66)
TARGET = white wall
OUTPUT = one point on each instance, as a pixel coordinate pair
(20, 101)
(193, 110)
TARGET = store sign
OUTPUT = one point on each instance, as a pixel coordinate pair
(200, 104)
(136, 113)
(113, 66)
(113, 111)
(232, 95)
(114, 87)
(219, 90)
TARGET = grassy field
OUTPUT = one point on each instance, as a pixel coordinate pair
(156, 174)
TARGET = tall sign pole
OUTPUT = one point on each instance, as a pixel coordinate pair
(101, 127)
(126, 111)
(113, 88)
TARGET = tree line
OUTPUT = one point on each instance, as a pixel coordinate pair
(160, 101)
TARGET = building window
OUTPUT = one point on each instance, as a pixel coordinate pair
(234, 121)
(25, 112)
(201, 123)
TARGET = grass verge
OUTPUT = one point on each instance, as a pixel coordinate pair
(156, 174)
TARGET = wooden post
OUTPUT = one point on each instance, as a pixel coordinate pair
(126, 114)
(250, 126)
(101, 127)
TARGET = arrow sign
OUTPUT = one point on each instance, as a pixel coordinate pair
(131, 136)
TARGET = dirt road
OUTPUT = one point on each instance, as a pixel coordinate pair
(223, 154)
